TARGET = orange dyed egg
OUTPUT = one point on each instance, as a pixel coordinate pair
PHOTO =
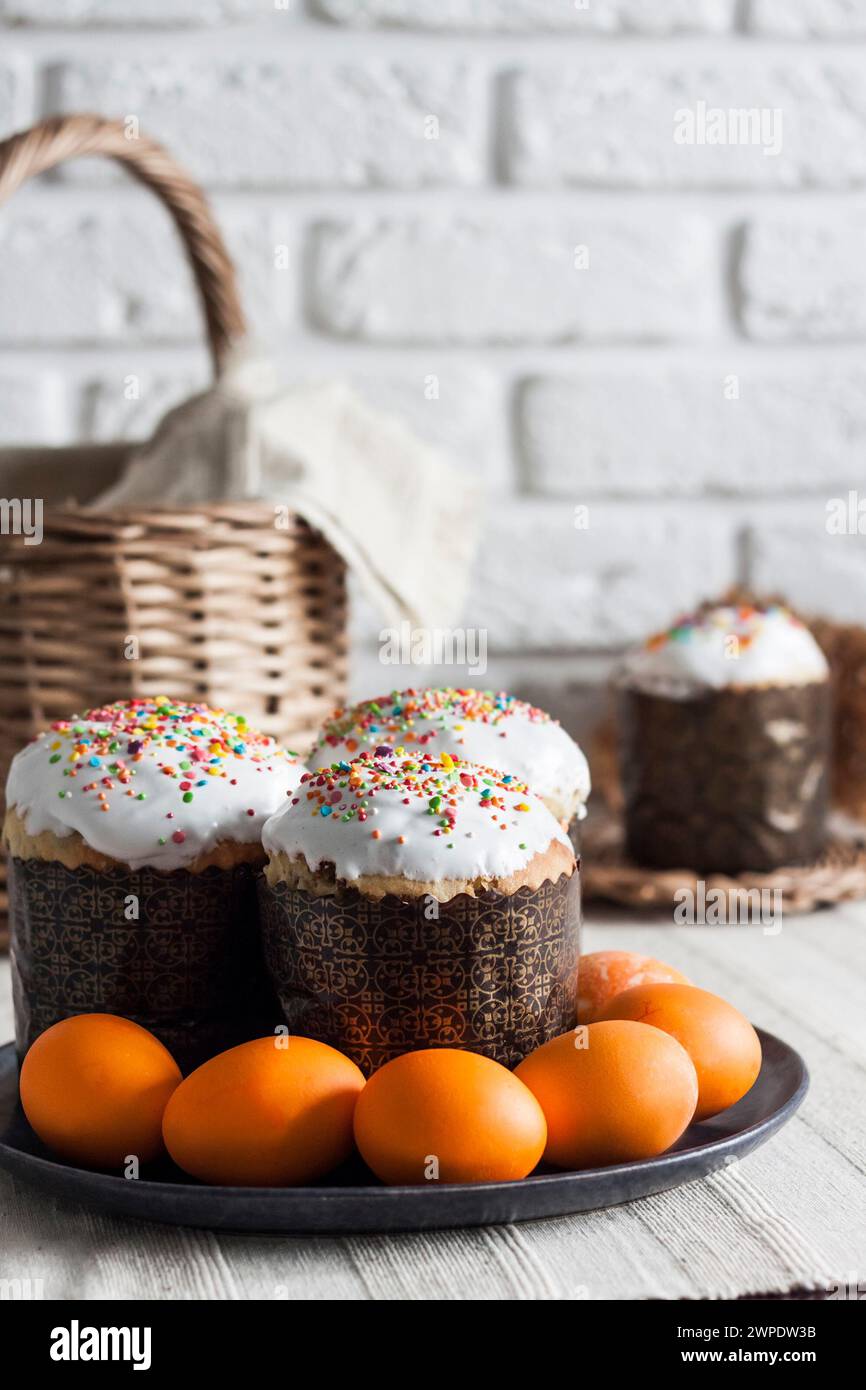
(441, 1114)
(602, 975)
(271, 1113)
(94, 1088)
(721, 1042)
(611, 1093)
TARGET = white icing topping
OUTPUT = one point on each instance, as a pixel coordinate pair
(724, 647)
(422, 818)
(175, 779)
(495, 730)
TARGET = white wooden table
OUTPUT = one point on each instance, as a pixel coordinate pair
(794, 1213)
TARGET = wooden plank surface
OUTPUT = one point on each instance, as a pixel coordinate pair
(794, 1213)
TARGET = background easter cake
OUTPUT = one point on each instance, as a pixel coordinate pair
(724, 742)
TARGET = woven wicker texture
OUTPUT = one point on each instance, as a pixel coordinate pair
(837, 876)
(217, 604)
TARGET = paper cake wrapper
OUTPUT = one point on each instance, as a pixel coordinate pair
(731, 781)
(494, 974)
(189, 968)
(844, 645)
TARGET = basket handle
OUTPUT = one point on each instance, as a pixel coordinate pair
(53, 141)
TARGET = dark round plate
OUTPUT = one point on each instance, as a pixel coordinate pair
(353, 1202)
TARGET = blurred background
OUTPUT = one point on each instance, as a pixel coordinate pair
(520, 226)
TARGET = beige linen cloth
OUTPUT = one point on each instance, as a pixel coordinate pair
(398, 512)
(791, 1214)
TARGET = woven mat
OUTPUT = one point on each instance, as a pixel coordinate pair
(607, 874)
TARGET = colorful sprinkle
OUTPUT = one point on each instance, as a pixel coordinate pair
(743, 621)
(408, 719)
(115, 738)
(438, 786)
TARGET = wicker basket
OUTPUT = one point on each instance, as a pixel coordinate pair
(214, 604)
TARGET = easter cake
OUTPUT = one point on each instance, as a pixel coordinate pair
(480, 726)
(724, 732)
(417, 900)
(844, 645)
(133, 832)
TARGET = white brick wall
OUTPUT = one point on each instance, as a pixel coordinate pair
(815, 568)
(804, 277)
(83, 14)
(800, 19)
(479, 212)
(286, 124)
(33, 407)
(738, 426)
(56, 276)
(610, 123)
(536, 16)
(543, 584)
(452, 280)
(16, 91)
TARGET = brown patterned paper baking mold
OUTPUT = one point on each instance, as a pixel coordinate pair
(189, 968)
(732, 780)
(494, 974)
(844, 645)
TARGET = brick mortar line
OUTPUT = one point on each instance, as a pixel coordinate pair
(510, 366)
(560, 362)
(719, 208)
(309, 37)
